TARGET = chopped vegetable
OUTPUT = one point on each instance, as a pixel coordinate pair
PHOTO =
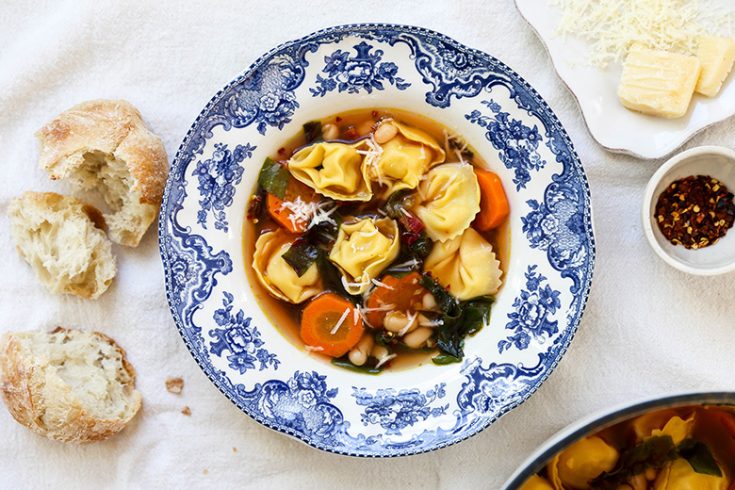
(300, 256)
(458, 319)
(699, 457)
(443, 359)
(330, 322)
(313, 132)
(494, 207)
(397, 202)
(295, 208)
(330, 275)
(274, 178)
(345, 363)
(400, 294)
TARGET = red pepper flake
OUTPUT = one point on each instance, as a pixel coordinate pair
(350, 132)
(337, 119)
(695, 211)
(281, 151)
(255, 206)
(375, 114)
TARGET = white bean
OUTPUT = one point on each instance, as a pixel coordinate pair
(385, 133)
(379, 352)
(359, 354)
(428, 301)
(330, 131)
(418, 337)
(397, 322)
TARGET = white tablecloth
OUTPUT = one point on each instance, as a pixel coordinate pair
(648, 329)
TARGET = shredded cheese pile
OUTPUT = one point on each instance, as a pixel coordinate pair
(613, 26)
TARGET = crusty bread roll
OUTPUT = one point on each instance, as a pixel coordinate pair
(68, 385)
(104, 144)
(62, 239)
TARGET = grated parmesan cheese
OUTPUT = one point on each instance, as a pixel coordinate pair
(384, 360)
(613, 26)
(339, 323)
(382, 284)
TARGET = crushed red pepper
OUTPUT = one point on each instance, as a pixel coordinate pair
(695, 211)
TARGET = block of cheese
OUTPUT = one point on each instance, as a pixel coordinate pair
(658, 82)
(717, 55)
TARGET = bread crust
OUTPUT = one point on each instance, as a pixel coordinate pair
(115, 129)
(21, 382)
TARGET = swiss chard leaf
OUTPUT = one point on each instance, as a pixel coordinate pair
(300, 256)
(458, 319)
(331, 277)
(699, 457)
(654, 452)
(421, 247)
(313, 132)
(476, 314)
(444, 359)
(395, 203)
(344, 362)
(447, 303)
(273, 178)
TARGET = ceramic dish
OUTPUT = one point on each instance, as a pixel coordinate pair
(613, 126)
(399, 412)
(714, 161)
(596, 422)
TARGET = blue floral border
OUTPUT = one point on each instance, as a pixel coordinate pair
(470, 72)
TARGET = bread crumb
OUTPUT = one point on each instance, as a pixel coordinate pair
(186, 411)
(205, 471)
(234, 449)
(175, 385)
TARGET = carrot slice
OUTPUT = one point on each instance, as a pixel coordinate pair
(494, 207)
(331, 324)
(394, 294)
(282, 215)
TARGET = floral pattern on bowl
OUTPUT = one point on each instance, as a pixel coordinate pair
(548, 275)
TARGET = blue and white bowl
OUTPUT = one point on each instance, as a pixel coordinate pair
(402, 412)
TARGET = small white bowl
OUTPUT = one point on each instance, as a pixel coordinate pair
(714, 161)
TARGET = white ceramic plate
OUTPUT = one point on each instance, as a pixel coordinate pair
(613, 126)
(282, 386)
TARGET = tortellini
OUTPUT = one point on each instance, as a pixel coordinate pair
(448, 200)
(363, 249)
(536, 483)
(679, 475)
(334, 170)
(277, 276)
(581, 462)
(405, 158)
(663, 423)
(466, 265)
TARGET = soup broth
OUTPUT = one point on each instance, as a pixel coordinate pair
(353, 127)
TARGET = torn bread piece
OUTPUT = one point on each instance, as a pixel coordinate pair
(63, 241)
(104, 145)
(67, 385)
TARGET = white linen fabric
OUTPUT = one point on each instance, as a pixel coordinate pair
(648, 328)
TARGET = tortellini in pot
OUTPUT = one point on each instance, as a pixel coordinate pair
(334, 170)
(277, 276)
(363, 249)
(581, 462)
(448, 200)
(405, 158)
(663, 423)
(536, 483)
(465, 265)
(679, 475)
